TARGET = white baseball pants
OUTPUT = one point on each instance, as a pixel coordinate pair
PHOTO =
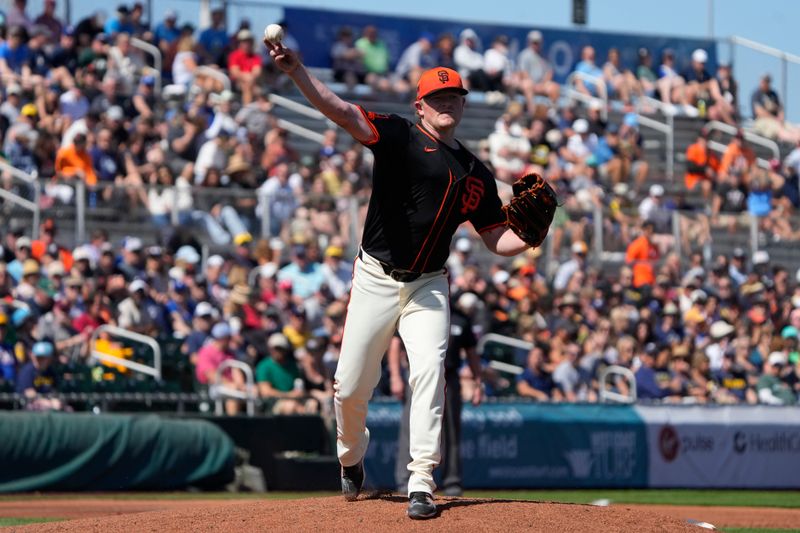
(420, 311)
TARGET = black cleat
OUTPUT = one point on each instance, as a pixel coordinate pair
(421, 506)
(352, 480)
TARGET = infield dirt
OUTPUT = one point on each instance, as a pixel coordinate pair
(375, 513)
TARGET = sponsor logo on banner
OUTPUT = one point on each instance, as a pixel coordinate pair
(612, 456)
(756, 441)
(671, 444)
(668, 443)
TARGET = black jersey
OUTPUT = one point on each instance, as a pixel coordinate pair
(422, 191)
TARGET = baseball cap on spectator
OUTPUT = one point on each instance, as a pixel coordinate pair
(580, 126)
(721, 329)
(55, 268)
(777, 358)
(631, 120)
(620, 189)
(278, 340)
(699, 55)
(464, 245)
(534, 36)
(694, 315)
(579, 247)
(148, 80)
(244, 35)
(178, 285)
(438, 79)
(187, 254)
(3, 318)
(13, 88)
(242, 238)
(299, 250)
(155, 251)
(115, 113)
(761, 257)
(468, 33)
(568, 300)
(698, 296)
(137, 285)
(468, 301)
(656, 190)
(644, 52)
(215, 261)
(268, 270)
(20, 315)
(790, 332)
(29, 110)
(204, 309)
(170, 14)
(500, 277)
(81, 254)
(23, 242)
(670, 309)
(29, 267)
(122, 9)
(315, 344)
(132, 244)
(285, 284)
(297, 310)
(73, 281)
(221, 330)
(334, 251)
(42, 349)
(613, 129)
(738, 253)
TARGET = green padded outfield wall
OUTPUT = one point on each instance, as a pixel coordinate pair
(60, 451)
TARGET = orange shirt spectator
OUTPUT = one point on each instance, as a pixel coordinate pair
(641, 254)
(701, 163)
(73, 159)
(737, 158)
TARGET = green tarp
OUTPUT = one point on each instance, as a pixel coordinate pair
(58, 451)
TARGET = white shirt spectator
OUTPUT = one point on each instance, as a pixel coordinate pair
(73, 104)
(210, 155)
(582, 146)
(495, 61)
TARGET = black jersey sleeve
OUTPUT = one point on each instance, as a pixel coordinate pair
(388, 131)
(489, 213)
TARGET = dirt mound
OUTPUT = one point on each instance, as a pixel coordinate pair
(376, 513)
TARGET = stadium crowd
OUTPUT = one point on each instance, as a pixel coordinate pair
(79, 104)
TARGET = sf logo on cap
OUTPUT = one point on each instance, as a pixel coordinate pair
(443, 76)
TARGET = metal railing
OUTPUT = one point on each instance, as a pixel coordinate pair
(115, 331)
(214, 73)
(33, 186)
(607, 395)
(602, 92)
(785, 58)
(157, 60)
(219, 393)
(749, 136)
(668, 129)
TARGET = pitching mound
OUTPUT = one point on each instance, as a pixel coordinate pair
(375, 513)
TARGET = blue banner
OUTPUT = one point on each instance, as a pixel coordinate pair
(316, 29)
(526, 445)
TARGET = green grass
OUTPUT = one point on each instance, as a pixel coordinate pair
(736, 498)
(7, 522)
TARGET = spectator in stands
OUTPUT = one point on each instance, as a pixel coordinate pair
(418, 57)
(213, 41)
(642, 254)
(534, 72)
(280, 198)
(141, 28)
(244, 65)
(445, 50)
(125, 63)
(588, 67)
(211, 356)
(469, 61)
(672, 86)
(768, 114)
(729, 203)
(167, 32)
(120, 24)
(185, 62)
(772, 389)
(203, 319)
(535, 381)
(133, 310)
(701, 165)
(49, 21)
(375, 55)
(568, 269)
(729, 90)
(14, 54)
(278, 378)
(631, 150)
(651, 384)
(38, 377)
(305, 274)
(620, 81)
(17, 16)
(702, 89)
(498, 66)
(654, 209)
(509, 147)
(317, 379)
(74, 162)
(645, 76)
(338, 273)
(347, 59)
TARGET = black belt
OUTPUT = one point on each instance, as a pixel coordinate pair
(397, 274)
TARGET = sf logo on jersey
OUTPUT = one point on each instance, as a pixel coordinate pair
(473, 192)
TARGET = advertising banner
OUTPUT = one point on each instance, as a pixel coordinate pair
(731, 447)
(525, 445)
(316, 29)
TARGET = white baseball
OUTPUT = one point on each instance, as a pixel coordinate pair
(273, 33)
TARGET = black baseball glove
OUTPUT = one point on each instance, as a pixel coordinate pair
(532, 208)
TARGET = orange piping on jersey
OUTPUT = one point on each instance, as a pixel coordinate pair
(426, 132)
(376, 135)
(441, 227)
(438, 213)
(490, 227)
